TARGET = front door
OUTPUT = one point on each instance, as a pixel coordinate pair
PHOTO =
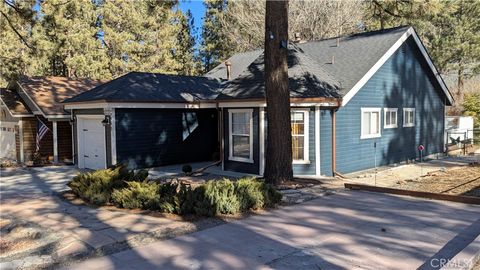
(92, 143)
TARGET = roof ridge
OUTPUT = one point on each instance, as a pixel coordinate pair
(362, 33)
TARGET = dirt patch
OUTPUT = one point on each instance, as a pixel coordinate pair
(456, 181)
(21, 238)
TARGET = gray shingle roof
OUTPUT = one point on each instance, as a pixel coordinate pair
(152, 87)
(241, 62)
(314, 74)
(306, 79)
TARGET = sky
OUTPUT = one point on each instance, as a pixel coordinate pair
(198, 10)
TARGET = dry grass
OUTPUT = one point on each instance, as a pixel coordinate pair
(458, 181)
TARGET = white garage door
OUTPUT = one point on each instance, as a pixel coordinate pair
(7, 140)
(91, 142)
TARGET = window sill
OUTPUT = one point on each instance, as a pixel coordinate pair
(387, 127)
(239, 159)
(408, 125)
(370, 136)
(304, 162)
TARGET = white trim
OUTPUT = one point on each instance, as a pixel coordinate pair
(409, 110)
(230, 136)
(31, 100)
(197, 105)
(387, 110)
(386, 56)
(249, 104)
(55, 142)
(369, 136)
(262, 141)
(113, 137)
(81, 162)
(133, 105)
(14, 115)
(317, 141)
(20, 138)
(306, 133)
(58, 117)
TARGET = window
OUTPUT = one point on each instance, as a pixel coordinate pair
(390, 118)
(299, 123)
(370, 123)
(408, 117)
(240, 142)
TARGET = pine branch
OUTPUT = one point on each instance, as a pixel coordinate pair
(16, 32)
(386, 10)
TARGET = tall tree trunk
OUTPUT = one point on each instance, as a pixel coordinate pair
(278, 161)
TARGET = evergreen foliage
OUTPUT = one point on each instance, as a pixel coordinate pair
(127, 189)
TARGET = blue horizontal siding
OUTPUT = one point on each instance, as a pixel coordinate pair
(326, 142)
(403, 81)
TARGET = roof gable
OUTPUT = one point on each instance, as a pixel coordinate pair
(348, 61)
(47, 93)
(12, 100)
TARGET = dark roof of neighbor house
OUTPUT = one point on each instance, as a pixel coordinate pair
(14, 102)
(354, 56)
(48, 92)
(306, 79)
(152, 87)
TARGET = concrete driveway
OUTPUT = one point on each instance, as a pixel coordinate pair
(36, 182)
(348, 230)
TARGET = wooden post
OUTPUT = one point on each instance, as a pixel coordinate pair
(55, 142)
(20, 138)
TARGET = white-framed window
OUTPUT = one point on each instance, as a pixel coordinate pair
(408, 117)
(390, 118)
(241, 135)
(299, 124)
(370, 123)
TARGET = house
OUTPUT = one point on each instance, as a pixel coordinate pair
(28, 100)
(357, 102)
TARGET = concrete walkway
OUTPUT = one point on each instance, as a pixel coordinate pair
(32, 195)
(348, 230)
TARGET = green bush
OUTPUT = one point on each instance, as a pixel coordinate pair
(142, 195)
(96, 187)
(127, 189)
(250, 194)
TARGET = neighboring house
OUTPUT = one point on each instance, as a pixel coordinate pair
(357, 101)
(31, 99)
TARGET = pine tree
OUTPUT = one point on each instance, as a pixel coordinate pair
(139, 35)
(215, 46)
(67, 40)
(278, 163)
(16, 49)
(184, 52)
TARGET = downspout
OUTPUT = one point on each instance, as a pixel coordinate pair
(220, 132)
(334, 142)
(74, 140)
